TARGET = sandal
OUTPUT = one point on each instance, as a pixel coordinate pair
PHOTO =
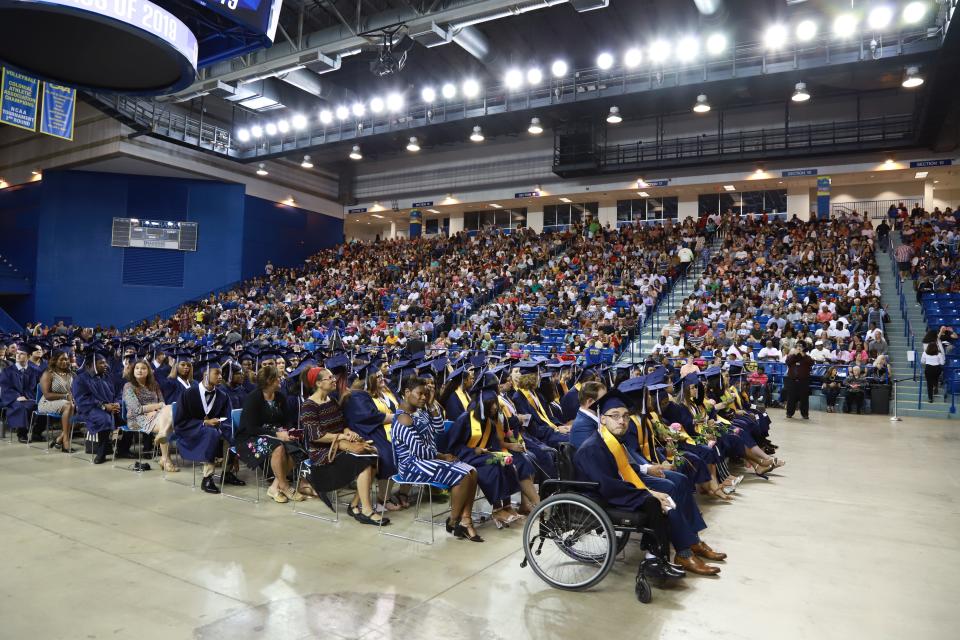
(721, 494)
(291, 494)
(389, 505)
(277, 495)
(168, 466)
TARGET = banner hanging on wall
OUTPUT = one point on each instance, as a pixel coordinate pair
(416, 223)
(823, 197)
(18, 99)
(58, 110)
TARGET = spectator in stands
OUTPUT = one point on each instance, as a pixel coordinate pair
(831, 388)
(769, 353)
(819, 354)
(903, 255)
(933, 360)
(856, 387)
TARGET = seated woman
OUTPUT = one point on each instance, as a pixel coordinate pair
(263, 434)
(418, 460)
(339, 455)
(178, 382)
(146, 409)
(56, 397)
(473, 438)
(831, 389)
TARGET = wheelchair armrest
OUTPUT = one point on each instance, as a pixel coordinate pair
(551, 486)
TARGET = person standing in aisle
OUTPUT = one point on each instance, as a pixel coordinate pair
(797, 382)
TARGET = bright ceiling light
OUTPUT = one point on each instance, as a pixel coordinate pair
(567, 200)
(376, 105)
(914, 12)
(256, 131)
(643, 194)
(448, 91)
(513, 79)
(261, 171)
(299, 121)
(558, 68)
(775, 37)
(326, 117)
(688, 48)
(496, 206)
(355, 153)
(283, 126)
(358, 109)
(414, 144)
(845, 25)
(306, 164)
(534, 75)
(729, 187)
(342, 112)
(632, 58)
(920, 175)
(271, 129)
(806, 30)
(659, 51)
(880, 17)
(716, 44)
(614, 116)
(477, 134)
(912, 78)
(800, 93)
(471, 88)
(535, 127)
(702, 106)
(889, 163)
(394, 102)
(428, 94)
(243, 135)
(605, 60)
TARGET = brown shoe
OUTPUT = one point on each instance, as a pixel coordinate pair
(693, 564)
(703, 550)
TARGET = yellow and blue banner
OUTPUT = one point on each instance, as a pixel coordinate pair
(19, 94)
(823, 197)
(58, 110)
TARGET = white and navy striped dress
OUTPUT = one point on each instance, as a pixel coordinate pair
(415, 453)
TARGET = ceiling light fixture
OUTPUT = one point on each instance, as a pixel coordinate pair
(513, 79)
(716, 44)
(428, 94)
(566, 200)
(535, 127)
(342, 112)
(659, 51)
(920, 175)
(914, 12)
(775, 36)
(800, 93)
(912, 78)
(271, 129)
(880, 17)
(643, 194)
(496, 206)
(358, 109)
(243, 135)
(604, 60)
(413, 144)
(845, 25)
(534, 75)
(326, 117)
(471, 88)
(355, 153)
(688, 48)
(256, 131)
(729, 187)
(558, 68)
(614, 116)
(632, 58)
(377, 105)
(432, 211)
(477, 134)
(448, 91)
(283, 126)
(306, 164)
(702, 106)
(261, 171)
(299, 121)
(394, 102)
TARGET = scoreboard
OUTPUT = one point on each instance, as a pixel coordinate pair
(154, 234)
(259, 16)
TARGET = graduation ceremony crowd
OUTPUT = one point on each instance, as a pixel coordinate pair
(464, 362)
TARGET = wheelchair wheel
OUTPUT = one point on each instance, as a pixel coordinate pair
(644, 594)
(570, 542)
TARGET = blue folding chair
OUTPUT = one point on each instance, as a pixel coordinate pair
(136, 467)
(259, 473)
(36, 413)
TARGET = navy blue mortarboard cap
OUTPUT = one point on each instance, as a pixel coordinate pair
(339, 361)
(711, 372)
(633, 385)
(612, 400)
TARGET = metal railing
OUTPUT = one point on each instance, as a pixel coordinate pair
(877, 209)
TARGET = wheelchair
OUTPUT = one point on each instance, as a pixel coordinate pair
(571, 541)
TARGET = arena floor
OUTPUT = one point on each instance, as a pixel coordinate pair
(858, 537)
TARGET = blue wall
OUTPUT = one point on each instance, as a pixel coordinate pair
(78, 275)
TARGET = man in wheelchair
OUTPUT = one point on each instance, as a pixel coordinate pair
(627, 481)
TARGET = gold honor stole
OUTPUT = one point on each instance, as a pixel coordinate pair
(506, 414)
(463, 397)
(386, 408)
(627, 474)
(479, 436)
(535, 403)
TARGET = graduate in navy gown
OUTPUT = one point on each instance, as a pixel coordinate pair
(201, 420)
(18, 393)
(97, 403)
(233, 384)
(586, 422)
(455, 396)
(179, 380)
(627, 481)
(528, 400)
(570, 402)
(531, 458)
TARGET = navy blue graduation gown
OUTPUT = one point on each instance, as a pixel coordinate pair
(236, 395)
(569, 405)
(537, 427)
(681, 414)
(362, 416)
(454, 407)
(14, 384)
(172, 389)
(498, 482)
(583, 427)
(196, 441)
(89, 392)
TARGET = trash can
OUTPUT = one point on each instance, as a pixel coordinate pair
(880, 399)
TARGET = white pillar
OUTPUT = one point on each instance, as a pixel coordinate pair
(687, 207)
(798, 202)
(456, 223)
(928, 195)
(608, 215)
(535, 219)
(393, 229)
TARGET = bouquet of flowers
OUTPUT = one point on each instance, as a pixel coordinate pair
(503, 458)
(259, 447)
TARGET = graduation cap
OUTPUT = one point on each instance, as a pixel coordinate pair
(691, 379)
(711, 372)
(403, 364)
(613, 399)
(528, 366)
(486, 388)
(338, 363)
(305, 364)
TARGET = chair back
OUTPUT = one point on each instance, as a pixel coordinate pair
(234, 421)
(39, 393)
(565, 466)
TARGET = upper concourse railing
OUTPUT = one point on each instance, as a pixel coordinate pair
(168, 121)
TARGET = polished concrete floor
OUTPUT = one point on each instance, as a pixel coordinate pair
(857, 537)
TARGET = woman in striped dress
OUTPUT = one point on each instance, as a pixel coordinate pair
(418, 460)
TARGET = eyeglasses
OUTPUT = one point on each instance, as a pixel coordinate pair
(617, 417)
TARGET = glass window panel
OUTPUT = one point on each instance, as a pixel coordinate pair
(671, 207)
(752, 202)
(624, 211)
(728, 203)
(471, 220)
(518, 218)
(708, 203)
(550, 215)
(488, 219)
(775, 200)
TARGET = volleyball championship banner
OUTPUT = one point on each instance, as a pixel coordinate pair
(19, 94)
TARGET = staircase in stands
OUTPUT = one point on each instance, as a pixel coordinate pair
(650, 333)
(909, 390)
